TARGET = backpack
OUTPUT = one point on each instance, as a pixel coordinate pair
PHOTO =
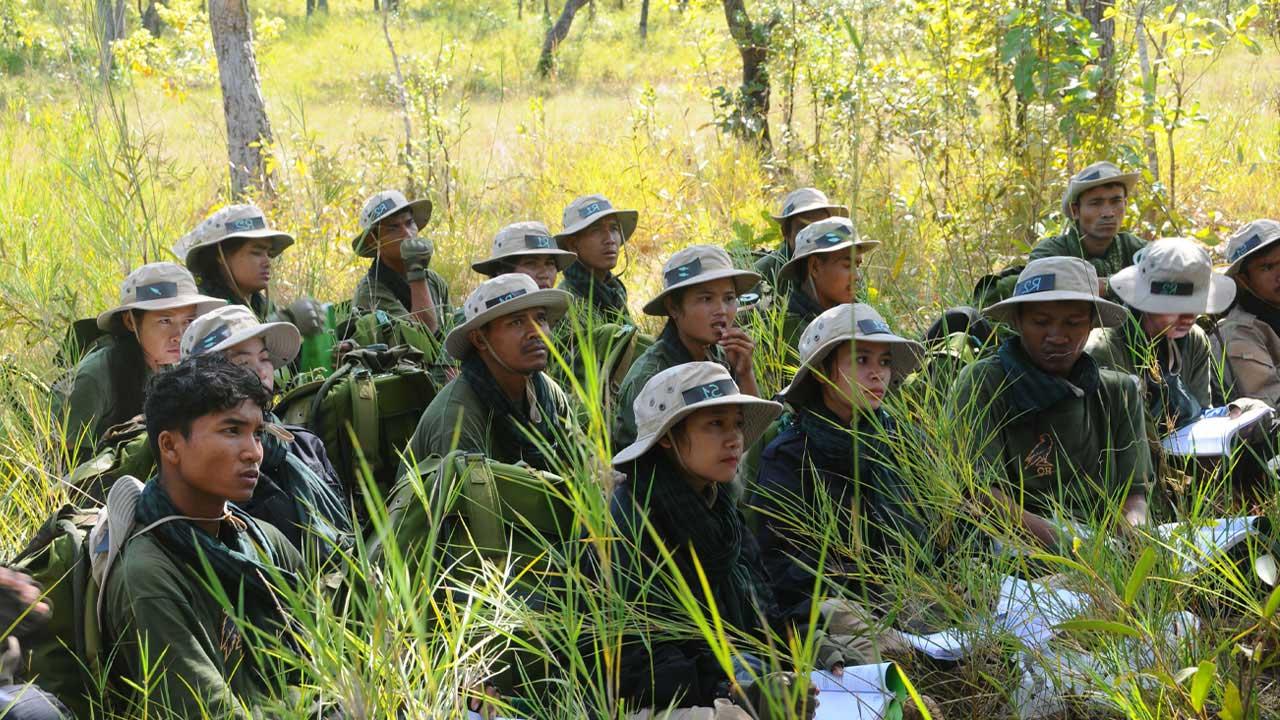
(125, 452)
(82, 336)
(367, 409)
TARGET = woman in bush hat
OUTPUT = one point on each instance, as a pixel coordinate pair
(231, 254)
(1171, 284)
(528, 248)
(595, 231)
(1053, 429)
(799, 209)
(1251, 331)
(700, 300)
(157, 302)
(823, 271)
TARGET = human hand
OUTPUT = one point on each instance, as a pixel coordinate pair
(416, 253)
(307, 315)
(739, 349)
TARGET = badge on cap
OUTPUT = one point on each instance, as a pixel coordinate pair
(709, 391)
(1039, 283)
(157, 290)
(1248, 245)
(873, 327)
(680, 273)
(1171, 287)
(208, 342)
(835, 237)
(1091, 176)
(504, 297)
(590, 209)
(381, 209)
(246, 224)
(538, 242)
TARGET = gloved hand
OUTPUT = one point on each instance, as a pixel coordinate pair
(307, 315)
(416, 253)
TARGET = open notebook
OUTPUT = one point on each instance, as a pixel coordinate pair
(864, 692)
(1213, 434)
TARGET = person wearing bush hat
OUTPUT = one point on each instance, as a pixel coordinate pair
(1250, 333)
(799, 209)
(399, 282)
(823, 272)
(699, 297)
(502, 404)
(1055, 431)
(1094, 206)
(298, 490)
(157, 302)
(1171, 284)
(595, 231)
(529, 248)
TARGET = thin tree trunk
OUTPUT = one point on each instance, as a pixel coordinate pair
(248, 130)
(752, 40)
(1148, 93)
(644, 19)
(556, 35)
(1095, 12)
(405, 106)
(110, 29)
(151, 21)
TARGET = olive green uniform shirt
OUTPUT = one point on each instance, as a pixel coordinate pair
(1188, 359)
(660, 356)
(84, 399)
(195, 656)
(768, 266)
(371, 297)
(1119, 254)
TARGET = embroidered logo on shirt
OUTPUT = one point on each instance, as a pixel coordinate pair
(1038, 460)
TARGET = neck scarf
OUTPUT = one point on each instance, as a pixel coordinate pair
(321, 514)
(801, 305)
(1254, 305)
(381, 273)
(232, 554)
(608, 296)
(523, 426)
(215, 287)
(1031, 389)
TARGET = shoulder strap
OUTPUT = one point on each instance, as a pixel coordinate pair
(483, 511)
(365, 418)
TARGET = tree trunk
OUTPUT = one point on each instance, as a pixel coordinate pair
(248, 130)
(151, 21)
(110, 29)
(752, 40)
(1105, 28)
(1148, 94)
(556, 34)
(644, 19)
(314, 5)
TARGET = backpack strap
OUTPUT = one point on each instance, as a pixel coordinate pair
(483, 506)
(366, 422)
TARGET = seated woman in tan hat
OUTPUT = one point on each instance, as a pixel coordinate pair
(399, 282)
(800, 208)
(157, 302)
(1171, 284)
(700, 300)
(502, 403)
(1250, 333)
(694, 428)
(1052, 430)
(838, 451)
(595, 231)
(528, 248)
(823, 270)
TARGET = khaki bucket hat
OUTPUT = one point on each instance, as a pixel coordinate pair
(229, 326)
(843, 324)
(522, 238)
(1057, 278)
(228, 223)
(695, 265)
(805, 199)
(499, 296)
(1173, 276)
(825, 236)
(587, 209)
(1096, 175)
(671, 395)
(381, 206)
(1248, 240)
(157, 286)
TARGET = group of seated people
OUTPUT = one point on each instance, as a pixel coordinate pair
(1101, 352)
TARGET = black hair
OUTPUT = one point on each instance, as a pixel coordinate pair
(198, 386)
(126, 375)
(206, 263)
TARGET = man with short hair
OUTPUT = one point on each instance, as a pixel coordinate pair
(800, 208)
(1250, 333)
(595, 231)
(399, 282)
(171, 633)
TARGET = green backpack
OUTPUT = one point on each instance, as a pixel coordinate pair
(368, 408)
(125, 451)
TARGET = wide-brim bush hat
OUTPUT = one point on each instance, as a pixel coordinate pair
(805, 199)
(499, 296)
(850, 322)
(1173, 276)
(824, 236)
(522, 239)
(675, 393)
(1054, 279)
(228, 326)
(588, 209)
(695, 265)
(1247, 241)
(229, 223)
(381, 206)
(157, 286)
(1097, 175)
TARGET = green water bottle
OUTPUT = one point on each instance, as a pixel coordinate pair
(317, 348)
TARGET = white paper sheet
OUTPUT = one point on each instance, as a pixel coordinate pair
(1211, 435)
(861, 693)
(1196, 545)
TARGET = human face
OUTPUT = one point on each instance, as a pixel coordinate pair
(542, 268)
(216, 462)
(252, 354)
(856, 376)
(1054, 333)
(709, 443)
(250, 265)
(1261, 275)
(704, 311)
(159, 332)
(794, 224)
(1100, 212)
(1174, 327)
(517, 340)
(392, 231)
(599, 244)
(835, 277)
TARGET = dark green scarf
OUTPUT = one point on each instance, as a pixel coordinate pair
(521, 429)
(608, 297)
(802, 306)
(1169, 402)
(322, 516)
(232, 555)
(381, 273)
(677, 353)
(258, 302)
(1030, 389)
(717, 533)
